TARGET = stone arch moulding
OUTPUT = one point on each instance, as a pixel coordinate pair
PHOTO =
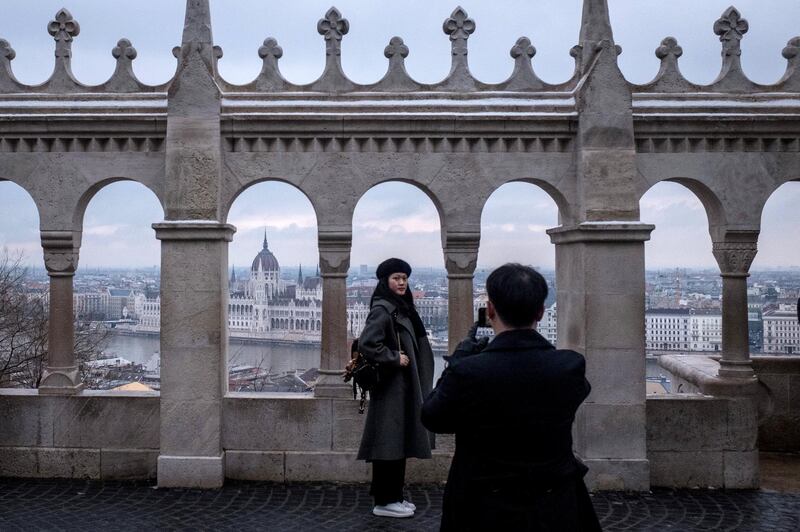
(39, 209)
(441, 209)
(228, 202)
(86, 197)
(779, 183)
(713, 206)
(555, 194)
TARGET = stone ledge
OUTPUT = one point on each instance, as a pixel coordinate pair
(702, 371)
(331, 466)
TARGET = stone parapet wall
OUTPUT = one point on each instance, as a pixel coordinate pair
(692, 440)
(697, 440)
(779, 402)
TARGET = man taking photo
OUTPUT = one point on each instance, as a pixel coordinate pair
(511, 403)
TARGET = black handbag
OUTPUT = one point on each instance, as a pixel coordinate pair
(365, 374)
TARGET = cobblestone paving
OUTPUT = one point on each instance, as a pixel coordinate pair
(94, 505)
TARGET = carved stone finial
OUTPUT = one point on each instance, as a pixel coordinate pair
(669, 49)
(791, 51)
(731, 27)
(396, 48)
(63, 29)
(123, 79)
(333, 27)
(791, 79)
(523, 77)
(6, 52)
(270, 49)
(270, 78)
(396, 77)
(459, 27)
(124, 50)
(523, 47)
(8, 82)
(669, 78)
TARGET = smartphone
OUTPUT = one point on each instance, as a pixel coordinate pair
(482, 321)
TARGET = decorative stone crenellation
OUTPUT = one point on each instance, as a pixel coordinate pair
(548, 144)
(747, 144)
(81, 144)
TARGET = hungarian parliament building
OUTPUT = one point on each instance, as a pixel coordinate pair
(265, 306)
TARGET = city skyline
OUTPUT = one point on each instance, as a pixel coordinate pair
(396, 219)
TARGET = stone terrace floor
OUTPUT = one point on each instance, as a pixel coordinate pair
(96, 505)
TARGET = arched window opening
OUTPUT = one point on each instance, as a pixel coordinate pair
(683, 288)
(399, 220)
(117, 290)
(773, 288)
(23, 290)
(272, 265)
(514, 222)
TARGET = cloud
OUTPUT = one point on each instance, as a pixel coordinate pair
(274, 222)
(103, 230)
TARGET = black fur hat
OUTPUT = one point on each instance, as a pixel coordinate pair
(390, 266)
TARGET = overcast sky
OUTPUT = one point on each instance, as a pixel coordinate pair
(395, 217)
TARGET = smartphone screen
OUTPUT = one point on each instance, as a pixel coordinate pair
(482, 317)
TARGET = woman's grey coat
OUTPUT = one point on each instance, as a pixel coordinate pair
(393, 429)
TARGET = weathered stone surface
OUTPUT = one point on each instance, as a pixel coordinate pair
(191, 471)
(310, 466)
(258, 422)
(128, 464)
(686, 423)
(618, 474)
(686, 469)
(255, 465)
(44, 462)
(741, 470)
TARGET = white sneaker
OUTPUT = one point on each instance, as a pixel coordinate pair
(410, 505)
(395, 509)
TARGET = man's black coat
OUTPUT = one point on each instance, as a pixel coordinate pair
(511, 407)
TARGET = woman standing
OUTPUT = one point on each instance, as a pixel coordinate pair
(393, 430)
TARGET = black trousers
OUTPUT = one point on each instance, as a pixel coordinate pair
(388, 478)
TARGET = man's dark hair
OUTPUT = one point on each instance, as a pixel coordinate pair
(517, 293)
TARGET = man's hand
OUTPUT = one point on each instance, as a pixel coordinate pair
(404, 360)
(470, 345)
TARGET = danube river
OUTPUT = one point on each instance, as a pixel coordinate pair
(277, 358)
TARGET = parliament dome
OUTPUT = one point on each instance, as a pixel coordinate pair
(265, 260)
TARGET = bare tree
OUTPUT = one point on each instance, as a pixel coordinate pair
(24, 322)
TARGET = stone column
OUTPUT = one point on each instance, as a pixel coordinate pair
(600, 280)
(734, 255)
(461, 257)
(194, 340)
(61, 375)
(334, 262)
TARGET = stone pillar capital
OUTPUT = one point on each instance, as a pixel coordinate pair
(461, 253)
(61, 250)
(735, 257)
(193, 230)
(605, 231)
(334, 253)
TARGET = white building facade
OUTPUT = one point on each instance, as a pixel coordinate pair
(782, 330)
(683, 329)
